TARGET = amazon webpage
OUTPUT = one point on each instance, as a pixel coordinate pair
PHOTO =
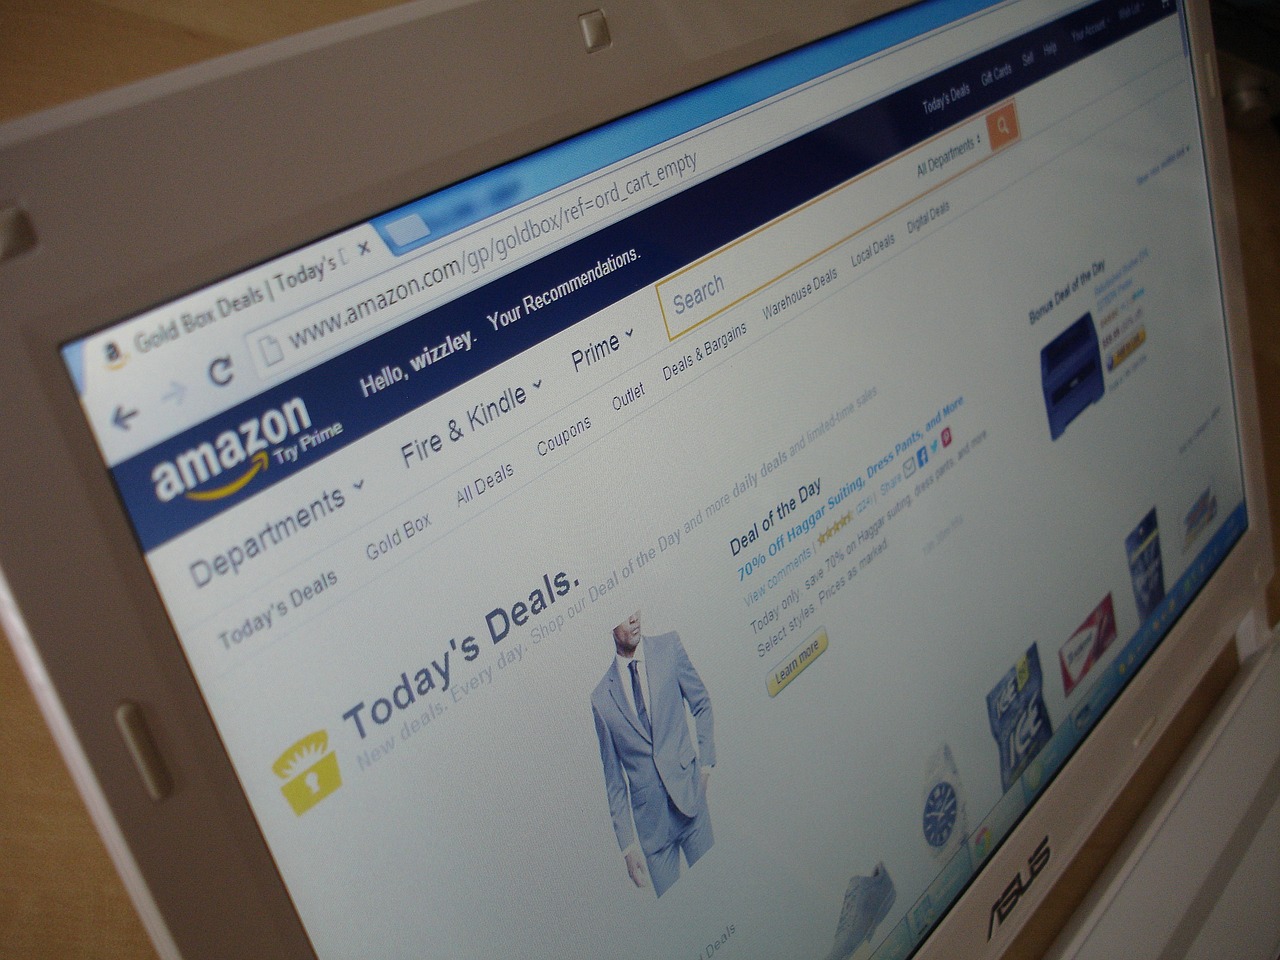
(729, 543)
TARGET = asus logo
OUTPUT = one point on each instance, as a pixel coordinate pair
(1001, 909)
(246, 447)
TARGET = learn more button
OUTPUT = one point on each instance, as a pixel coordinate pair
(796, 661)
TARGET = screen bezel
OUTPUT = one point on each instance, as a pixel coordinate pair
(102, 225)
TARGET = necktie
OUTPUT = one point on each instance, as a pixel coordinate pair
(641, 712)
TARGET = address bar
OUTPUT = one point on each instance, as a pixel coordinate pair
(406, 289)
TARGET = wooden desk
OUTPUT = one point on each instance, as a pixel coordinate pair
(59, 894)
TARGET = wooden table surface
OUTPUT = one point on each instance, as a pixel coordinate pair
(59, 894)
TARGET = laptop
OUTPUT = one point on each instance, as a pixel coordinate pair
(636, 482)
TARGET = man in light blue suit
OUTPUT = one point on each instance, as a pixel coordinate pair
(655, 781)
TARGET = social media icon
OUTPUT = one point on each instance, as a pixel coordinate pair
(934, 446)
(922, 456)
(310, 771)
(946, 436)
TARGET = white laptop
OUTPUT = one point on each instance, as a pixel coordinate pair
(656, 481)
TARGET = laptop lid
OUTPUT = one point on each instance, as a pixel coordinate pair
(666, 394)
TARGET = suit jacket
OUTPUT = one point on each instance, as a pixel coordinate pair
(647, 771)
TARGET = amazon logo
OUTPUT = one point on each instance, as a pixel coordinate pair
(226, 464)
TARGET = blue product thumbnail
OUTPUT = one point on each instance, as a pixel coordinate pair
(1071, 374)
(1145, 565)
(1019, 721)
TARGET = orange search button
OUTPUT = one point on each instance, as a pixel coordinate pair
(1002, 126)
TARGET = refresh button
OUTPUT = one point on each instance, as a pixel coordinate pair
(220, 371)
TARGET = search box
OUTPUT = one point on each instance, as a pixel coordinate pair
(722, 280)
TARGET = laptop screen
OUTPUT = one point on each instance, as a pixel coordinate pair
(721, 525)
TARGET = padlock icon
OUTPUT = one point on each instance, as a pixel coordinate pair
(310, 771)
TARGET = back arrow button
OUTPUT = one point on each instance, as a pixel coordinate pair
(122, 417)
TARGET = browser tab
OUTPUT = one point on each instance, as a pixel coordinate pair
(407, 230)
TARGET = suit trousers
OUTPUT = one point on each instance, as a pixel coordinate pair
(690, 834)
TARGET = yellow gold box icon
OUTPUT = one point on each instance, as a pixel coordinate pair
(307, 785)
(314, 784)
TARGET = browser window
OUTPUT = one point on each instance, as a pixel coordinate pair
(737, 528)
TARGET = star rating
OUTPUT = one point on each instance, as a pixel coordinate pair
(835, 528)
